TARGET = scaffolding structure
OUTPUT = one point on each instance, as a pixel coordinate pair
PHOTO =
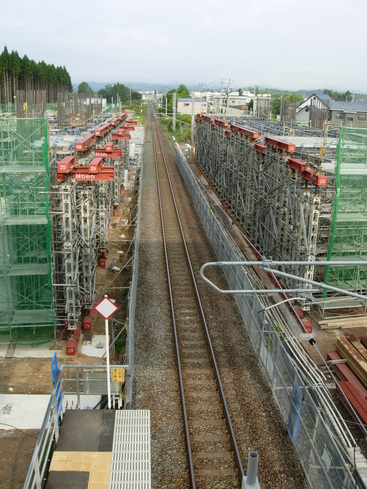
(53, 227)
(349, 213)
(277, 198)
(80, 211)
(26, 295)
(292, 209)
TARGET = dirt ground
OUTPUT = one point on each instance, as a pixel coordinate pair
(33, 375)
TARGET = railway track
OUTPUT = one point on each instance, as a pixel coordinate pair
(212, 453)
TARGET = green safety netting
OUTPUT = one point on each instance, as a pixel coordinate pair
(26, 299)
(349, 214)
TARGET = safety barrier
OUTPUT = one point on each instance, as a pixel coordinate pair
(78, 380)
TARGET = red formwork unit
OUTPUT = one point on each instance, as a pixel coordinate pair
(87, 323)
(95, 171)
(103, 130)
(260, 148)
(77, 332)
(307, 325)
(282, 145)
(245, 131)
(108, 151)
(71, 346)
(85, 143)
(123, 136)
(308, 174)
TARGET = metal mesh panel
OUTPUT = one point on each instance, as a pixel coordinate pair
(26, 299)
(349, 219)
(130, 464)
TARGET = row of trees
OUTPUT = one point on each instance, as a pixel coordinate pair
(119, 93)
(341, 96)
(276, 101)
(182, 92)
(18, 73)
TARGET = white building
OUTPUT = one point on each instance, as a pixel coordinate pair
(184, 105)
(230, 104)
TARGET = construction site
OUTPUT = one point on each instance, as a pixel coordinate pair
(59, 193)
(298, 198)
(69, 208)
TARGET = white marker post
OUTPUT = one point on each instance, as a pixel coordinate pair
(106, 308)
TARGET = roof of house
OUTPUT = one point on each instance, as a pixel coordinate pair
(324, 97)
(189, 99)
(349, 106)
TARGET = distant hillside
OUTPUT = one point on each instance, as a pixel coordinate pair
(162, 87)
(138, 86)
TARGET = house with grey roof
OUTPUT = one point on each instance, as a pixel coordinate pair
(318, 99)
(352, 114)
(314, 110)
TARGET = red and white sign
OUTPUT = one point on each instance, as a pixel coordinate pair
(106, 308)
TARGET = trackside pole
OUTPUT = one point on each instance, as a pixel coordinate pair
(106, 308)
(250, 480)
(108, 365)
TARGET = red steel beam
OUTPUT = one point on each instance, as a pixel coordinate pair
(121, 137)
(260, 148)
(82, 173)
(85, 143)
(245, 131)
(295, 164)
(95, 171)
(65, 165)
(100, 152)
(288, 147)
(314, 178)
(108, 151)
(219, 122)
(102, 130)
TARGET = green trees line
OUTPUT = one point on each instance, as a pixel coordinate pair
(117, 93)
(18, 73)
(120, 93)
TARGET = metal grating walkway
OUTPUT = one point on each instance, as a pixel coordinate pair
(130, 465)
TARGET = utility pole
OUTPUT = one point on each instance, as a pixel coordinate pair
(192, 119)
(227, 94)
(174, 113)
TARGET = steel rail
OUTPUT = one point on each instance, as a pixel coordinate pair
(180, 379)
(212, 355)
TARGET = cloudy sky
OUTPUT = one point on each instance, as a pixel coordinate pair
(287, 44)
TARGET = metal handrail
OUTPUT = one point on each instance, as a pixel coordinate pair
(49, 432)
